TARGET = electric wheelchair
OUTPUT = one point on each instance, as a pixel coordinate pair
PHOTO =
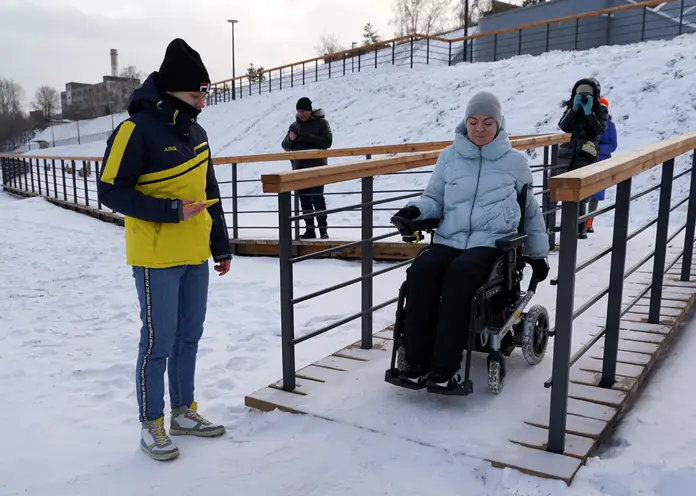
(498, 323)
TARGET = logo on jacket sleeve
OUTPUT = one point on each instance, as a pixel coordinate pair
(170, 149)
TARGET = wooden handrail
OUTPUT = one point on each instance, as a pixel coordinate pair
(283, 182)
(283, 156)
(416, 36)
(582, 183)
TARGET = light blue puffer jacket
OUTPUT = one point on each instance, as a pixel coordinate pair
(474, 191)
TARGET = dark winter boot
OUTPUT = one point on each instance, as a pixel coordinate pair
(323, 233)
(309, 233)
(582, 227)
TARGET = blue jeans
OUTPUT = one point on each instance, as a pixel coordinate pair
(173, 303)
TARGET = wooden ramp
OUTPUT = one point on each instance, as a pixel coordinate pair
(594, 412)
(348, 387)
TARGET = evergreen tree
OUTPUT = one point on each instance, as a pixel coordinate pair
(370, 35)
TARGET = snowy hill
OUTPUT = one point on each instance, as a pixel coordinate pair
(650, 87)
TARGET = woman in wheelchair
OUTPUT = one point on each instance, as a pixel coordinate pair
(474, 192)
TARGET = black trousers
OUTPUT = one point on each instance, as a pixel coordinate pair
(440, 284)
(312, 200)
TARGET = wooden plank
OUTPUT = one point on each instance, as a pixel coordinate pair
(539, 463)
(613, 397)
(320, 374)
(537, 437)
(645, 302)
(642, 337)
(269, 399)
(589, 409)
(645, 327)
(580, 426)
(664, 310)
(636, 346)
(339, 363)
(591, 365)
(379, 351)
(643, 318)
(627, 357)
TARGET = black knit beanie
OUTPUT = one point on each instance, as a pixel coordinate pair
(182, 69)
(304, 103)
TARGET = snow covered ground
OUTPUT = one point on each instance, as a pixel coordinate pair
(67, 361)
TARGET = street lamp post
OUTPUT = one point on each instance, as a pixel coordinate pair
(234, 86)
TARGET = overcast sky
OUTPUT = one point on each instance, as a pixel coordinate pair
(54, 42)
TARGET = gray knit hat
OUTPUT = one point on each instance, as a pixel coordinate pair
(485, 103)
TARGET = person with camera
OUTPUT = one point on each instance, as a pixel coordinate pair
(473, 191)
(585, 119)
(608, 143)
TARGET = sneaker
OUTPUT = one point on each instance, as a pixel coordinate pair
(414, 377)
(155, 442)
(187, 421)
(451, 384)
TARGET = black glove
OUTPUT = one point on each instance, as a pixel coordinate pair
(540, 268)
(411, 213)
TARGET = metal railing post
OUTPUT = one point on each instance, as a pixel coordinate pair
(616, 283)
(55, 178)
(519, 47)
(375, 56)
(545, 196)
(411, 52)
(427, 51)
(296, 208)
(495, 47)
(74, 181)
(548, 35)
(97, 173)
(235, 203)
(366, 256)
(642, 28)
(577, 32)
(303, 73)
(687, 257)
(553, 205)
(661, 242)
(681, 18)
(45, 164)
(287, 317)
(31, 175)
(565, 297)
(65, 187)
(84, 180)
(449, 57)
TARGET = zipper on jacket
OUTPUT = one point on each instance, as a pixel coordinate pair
(473, 203)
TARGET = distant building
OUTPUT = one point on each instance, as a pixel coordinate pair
(87, 101)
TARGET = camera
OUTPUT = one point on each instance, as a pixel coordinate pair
(584, 98)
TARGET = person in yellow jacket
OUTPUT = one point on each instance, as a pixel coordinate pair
(158, 173)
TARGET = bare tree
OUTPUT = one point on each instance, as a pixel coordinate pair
(328, 44)
(11, 96)
(420, 16)
(47, 100)
(135, 76)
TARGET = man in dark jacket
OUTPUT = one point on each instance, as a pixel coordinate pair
(310, 131)
(158, 173)
(586, 119)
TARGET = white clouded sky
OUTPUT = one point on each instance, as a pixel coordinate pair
(57, 41)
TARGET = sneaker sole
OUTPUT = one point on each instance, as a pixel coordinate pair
(164, 457)
(197, 433)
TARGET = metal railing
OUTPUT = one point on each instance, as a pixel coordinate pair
(571, 189)
(285, 184)
(250, 213)
(623, 24)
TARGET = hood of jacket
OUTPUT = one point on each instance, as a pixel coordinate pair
(596, 86)
(492, 151)
(148, 97)
(316, 114)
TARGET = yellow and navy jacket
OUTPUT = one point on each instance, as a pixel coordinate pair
(154, 160)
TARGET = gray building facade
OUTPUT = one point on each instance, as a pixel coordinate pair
(663, 22)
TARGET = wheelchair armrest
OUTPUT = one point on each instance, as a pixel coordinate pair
(409, 227)
(511, 242)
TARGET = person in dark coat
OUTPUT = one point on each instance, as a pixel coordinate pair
(608, 144)
(585, 119)
(310, 131)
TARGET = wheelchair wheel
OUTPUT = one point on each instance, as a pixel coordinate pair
(496, 372)
(401, 362)
(535, 334)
